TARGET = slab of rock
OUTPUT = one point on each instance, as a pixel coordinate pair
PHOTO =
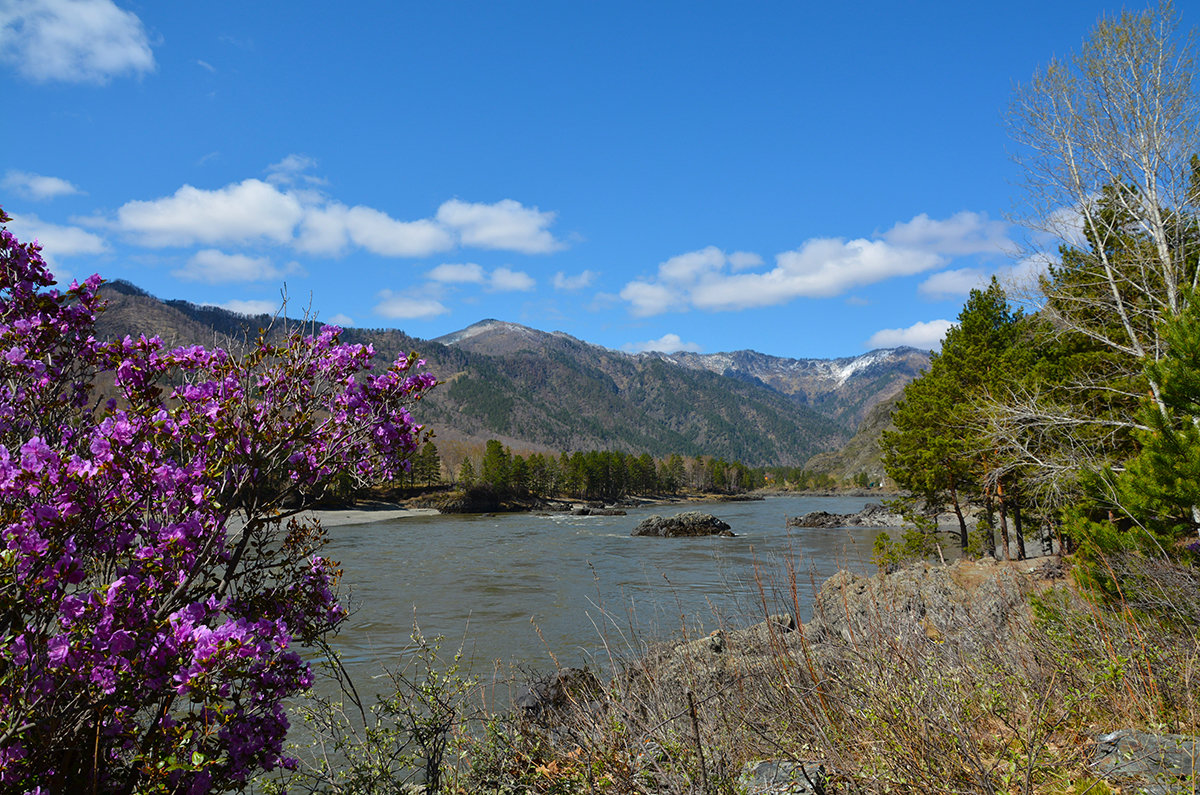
(556, 690)
(781, 777)
(1158, 764)
(688, 523)
(872, 515)
(964, 605)
(586, 511)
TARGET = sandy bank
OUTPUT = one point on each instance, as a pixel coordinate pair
(367, 513)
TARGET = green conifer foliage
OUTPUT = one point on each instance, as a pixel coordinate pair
(935, 453)
(1159, 491)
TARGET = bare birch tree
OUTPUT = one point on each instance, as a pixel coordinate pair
(1108, 142)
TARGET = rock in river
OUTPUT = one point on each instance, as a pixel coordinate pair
(689, 523)
(872, 515)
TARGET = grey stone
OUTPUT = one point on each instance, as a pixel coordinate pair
(554, 691)
(688, 523)
(782, 777)
(1158, 764)
(872, 515)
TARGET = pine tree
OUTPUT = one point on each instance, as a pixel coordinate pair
(496, 469)
(466, 474)
(934, 452)
(1159, 491)
(427, 467)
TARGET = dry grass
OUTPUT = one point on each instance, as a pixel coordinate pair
(970, 679)
(887, 700)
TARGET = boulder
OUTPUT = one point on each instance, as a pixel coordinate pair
(688, 523)
(782, 777)
(1157, 764)
(967, 603)
(872, 515)
(586, 511)
(554, 691)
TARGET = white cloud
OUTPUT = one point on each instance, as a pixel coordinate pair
(250, 307)
(291, 170)
(652, 299)
(506, 225)
(408, 307)
(243, 212)
(820, 268)
(73, 41)
(1025, 272)
(280, 211)
(216, 267)
(464, 273)
(577, 282)
(692, 266)
(329, 229)
(507, 280)
(741, 260)
(952, 283)
(38, 187)
(924, 335)
(56, 240)
(499, 280)
(381, 234)
(667, 343)
(339, 319)
(206, 66)
(710, 279)
(323, 230)
(1063, 225)
(961, 234)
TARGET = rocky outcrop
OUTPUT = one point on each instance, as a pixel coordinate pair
(961, 606)
(554, 691)
(782, 777)
(965, 604)
(688, 523)
(587, 511)
(1156, 764)
(872, 515)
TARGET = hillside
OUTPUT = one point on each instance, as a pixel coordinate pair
(861, 453)
(552, 391)
(845, 389)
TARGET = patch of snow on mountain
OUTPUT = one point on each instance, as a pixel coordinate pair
(861, 363)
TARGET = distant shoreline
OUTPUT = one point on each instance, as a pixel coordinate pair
(368, 511)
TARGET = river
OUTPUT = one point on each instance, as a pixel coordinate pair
(526, 589)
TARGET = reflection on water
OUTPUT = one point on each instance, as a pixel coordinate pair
(519, 587)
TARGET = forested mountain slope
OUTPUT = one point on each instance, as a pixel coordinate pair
(551, 390)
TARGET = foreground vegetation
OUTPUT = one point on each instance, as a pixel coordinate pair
(1074, 415)
(148, 641)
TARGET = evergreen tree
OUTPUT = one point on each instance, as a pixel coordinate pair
(466, 474)
(427, 467)
(934, 452)
(1158, 493)
(495, 470)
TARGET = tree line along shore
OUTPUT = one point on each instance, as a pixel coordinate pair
(162, 599)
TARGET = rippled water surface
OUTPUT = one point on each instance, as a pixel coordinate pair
(499, 580)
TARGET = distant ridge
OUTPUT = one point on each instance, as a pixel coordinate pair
(548, 390)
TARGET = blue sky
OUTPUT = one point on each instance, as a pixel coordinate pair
(802, 179)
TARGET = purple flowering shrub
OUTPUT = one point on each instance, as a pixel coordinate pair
(152, 596)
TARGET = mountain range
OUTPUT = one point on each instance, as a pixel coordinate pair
(550, 391)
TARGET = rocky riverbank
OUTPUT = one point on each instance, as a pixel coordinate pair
(905, 682)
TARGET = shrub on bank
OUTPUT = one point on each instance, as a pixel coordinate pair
(153, 598)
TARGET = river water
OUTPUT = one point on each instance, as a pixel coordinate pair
(526, 590)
